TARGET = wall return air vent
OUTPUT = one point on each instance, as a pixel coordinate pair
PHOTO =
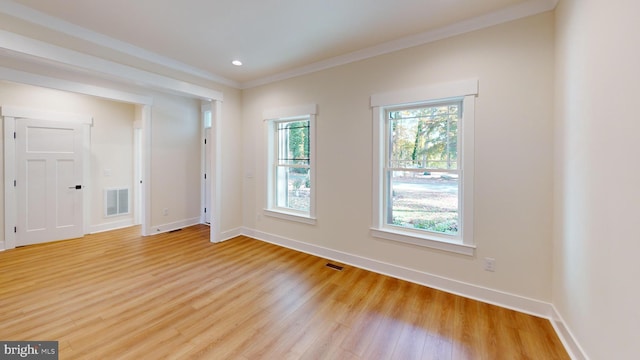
(116, 202)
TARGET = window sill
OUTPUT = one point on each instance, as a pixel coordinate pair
(290, 216)
(430, 242)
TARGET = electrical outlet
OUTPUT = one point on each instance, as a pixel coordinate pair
(489, 264)
(165, 211)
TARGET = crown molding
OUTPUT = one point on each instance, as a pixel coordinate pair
(514, 12)
(36, 17)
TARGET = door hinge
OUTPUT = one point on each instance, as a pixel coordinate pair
(205, 141)
(14, 134)
(205, 210)
(15, 183)
(15, 229)
(205, 176)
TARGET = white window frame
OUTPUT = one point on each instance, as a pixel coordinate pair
(272, 117)
(465, 91)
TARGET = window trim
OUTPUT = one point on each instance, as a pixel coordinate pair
(272, 117)
(466, 91)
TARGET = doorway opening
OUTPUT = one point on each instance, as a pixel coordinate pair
(48, 177)
(206, 208)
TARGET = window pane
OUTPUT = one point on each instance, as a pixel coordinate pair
(293, 143)
(207, 119)
(427, 201)
(293, 188)
(425, 137)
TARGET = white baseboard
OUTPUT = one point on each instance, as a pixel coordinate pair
(163, 228)
(566, 336)
(230, 234)
(480, 293)
(110, 226)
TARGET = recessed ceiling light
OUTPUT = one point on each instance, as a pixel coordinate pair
(237, 62)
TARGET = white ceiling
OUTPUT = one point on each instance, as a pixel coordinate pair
(271, 37)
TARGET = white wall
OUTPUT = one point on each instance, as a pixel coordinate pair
(514, 63)
(175, 162)
(111, 157)
(596, 271)
(111, 139)
(232, 165)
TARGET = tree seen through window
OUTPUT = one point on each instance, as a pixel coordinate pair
(293, 165)
(422, 167)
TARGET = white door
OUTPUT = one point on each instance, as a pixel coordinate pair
(137, 176)
(207, 176)
(49, 181)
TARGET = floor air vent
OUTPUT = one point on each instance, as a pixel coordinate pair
(334, 266)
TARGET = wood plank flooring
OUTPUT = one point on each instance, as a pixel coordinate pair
(117, 295)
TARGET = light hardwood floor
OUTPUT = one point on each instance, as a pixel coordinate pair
(117, 295)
